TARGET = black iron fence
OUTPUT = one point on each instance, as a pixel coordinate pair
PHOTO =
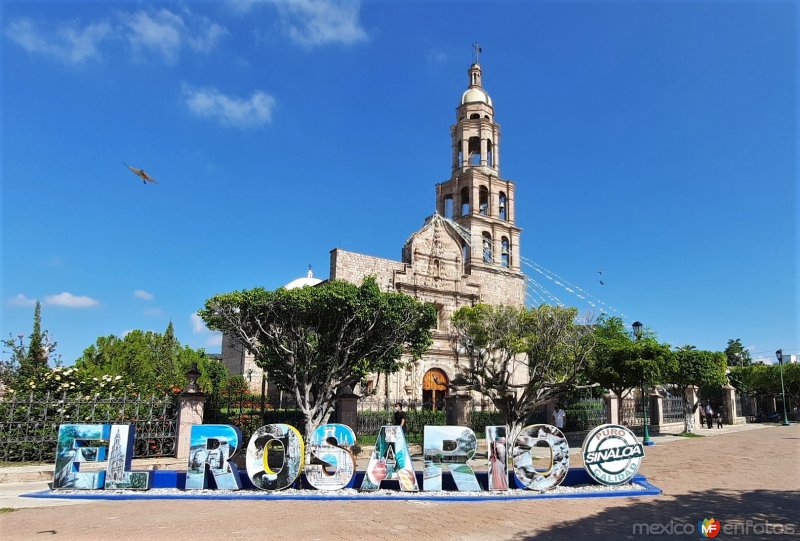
(632, 413)
(29, 424)
(672, 409)
(585, 414)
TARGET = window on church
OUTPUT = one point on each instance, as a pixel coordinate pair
(489, 153)
(505, 253)
(502, 210)
(460, 154)
(465, 201)
(487, 248)
(465, 254)
(483, 201)
(475, 116)
(448, 207)
(474, 150)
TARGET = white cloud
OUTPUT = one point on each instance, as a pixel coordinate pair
(166, 33)
(230, 110)
(21, 300)
(68, 300)
(72, 43)
(142, 294)
(198, 325)
(316, 22)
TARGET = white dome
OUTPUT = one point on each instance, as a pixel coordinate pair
(307, 280)
(476, 94)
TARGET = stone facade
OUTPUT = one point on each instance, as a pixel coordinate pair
(466, 253)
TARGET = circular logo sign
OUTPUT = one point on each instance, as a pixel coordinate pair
(612, 454)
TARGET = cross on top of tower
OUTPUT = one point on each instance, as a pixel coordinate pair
(476, 48)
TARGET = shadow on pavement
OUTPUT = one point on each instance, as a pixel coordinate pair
(670, 518)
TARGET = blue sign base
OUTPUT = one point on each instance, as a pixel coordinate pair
(170, 479)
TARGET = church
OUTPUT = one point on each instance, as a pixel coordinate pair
(467, 253)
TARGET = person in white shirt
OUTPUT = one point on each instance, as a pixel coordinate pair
(560, 417)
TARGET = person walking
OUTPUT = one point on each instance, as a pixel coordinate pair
(709, 415)
(399, 416)
(560, 417)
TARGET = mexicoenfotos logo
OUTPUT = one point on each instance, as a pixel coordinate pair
(708, 527)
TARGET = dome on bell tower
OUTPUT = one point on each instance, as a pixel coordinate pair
(475, 93)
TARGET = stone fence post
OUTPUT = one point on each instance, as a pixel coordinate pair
(612, 415)
(458, 409)
(729, 404)
(347, 407)
(693, 400)
(656, 409)
(191, 405)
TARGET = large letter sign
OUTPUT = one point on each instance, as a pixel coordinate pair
(497, 453)
(541, 436)
(118, 474)
(450, 447)
(390, 461)
(212, 446)
(612, 454)
(275, 456)
(73, 448)
(332, 465)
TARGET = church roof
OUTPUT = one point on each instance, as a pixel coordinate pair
(460, 230)
(474, 94)
(303, 281)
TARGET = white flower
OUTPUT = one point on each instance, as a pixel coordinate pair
(58, 378)
(118, 377)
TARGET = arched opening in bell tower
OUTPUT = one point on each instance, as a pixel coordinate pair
(502, 212)
(489, 153)
(464, 201)
(448, 206)
(483, 201)
(487, 247)
(505, 253)
(474, 150)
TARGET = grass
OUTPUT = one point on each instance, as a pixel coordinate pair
(690, 435)
(7, 510)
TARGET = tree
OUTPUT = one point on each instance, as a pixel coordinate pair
(314, 340)
(518, 358)
(26, 360)
(691, 366)
(622, 363)
(737, 354)
(151, 362)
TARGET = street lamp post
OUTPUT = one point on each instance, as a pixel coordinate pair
(637, 332)
(779, 355)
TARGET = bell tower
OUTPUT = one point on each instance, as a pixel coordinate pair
(475, 196)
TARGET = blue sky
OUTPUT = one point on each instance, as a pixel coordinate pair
(655, 141)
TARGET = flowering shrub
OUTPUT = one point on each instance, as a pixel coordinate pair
(72, 381)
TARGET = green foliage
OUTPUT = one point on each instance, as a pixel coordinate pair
(736, 354)
(150, 362)
(313, 340)
(697, 367)
(26, 361)
(620, 362)
(494, 344)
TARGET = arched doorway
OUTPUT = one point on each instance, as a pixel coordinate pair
(434, 389)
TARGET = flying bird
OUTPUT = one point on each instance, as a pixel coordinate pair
(141, 174)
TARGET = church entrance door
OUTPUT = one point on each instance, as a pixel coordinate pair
(434, 389)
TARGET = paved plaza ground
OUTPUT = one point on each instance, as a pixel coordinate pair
(737, 474)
